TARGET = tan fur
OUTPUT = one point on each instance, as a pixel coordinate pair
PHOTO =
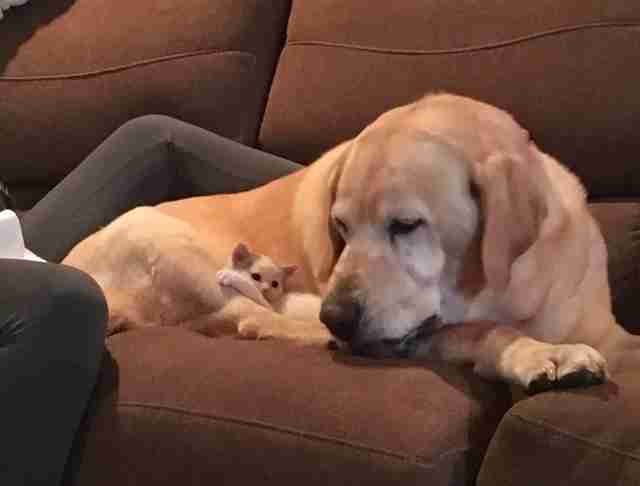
(156, 269)
(517, 271)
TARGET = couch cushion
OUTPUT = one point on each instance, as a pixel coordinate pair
(583, 437)
(179, 408)
(73, 71)
(620, 225)
(565, 69)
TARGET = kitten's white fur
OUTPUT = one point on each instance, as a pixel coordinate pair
(237, 274)
(300, 306)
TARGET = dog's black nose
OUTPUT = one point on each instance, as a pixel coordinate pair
(341, 316)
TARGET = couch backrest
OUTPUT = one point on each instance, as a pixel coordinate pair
(72, 71)
(568, 71)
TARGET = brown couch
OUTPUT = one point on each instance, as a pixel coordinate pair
(295, 77)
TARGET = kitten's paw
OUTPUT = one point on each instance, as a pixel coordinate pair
(225, 277)
(255, 329)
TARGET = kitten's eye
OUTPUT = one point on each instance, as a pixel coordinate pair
(274, 284)
(400, 227)
(341, 226)
(256, 277)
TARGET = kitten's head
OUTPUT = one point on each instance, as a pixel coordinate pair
(269, 277)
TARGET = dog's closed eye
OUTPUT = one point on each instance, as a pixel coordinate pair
(401, 227)
(341, 226)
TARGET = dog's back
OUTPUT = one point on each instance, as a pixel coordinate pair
(152, 268)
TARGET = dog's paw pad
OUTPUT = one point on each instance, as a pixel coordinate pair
(576, 379)
(581, 378)
(539, 384)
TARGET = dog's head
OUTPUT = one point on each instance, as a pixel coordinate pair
(412, 208)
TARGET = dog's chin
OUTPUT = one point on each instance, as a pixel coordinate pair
(403, 347)
(385, 348)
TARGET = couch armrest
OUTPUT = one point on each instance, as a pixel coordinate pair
(589, 436)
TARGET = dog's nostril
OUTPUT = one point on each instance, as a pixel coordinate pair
(341, 319)
(329, 313)
(331, 316)
(431, 321)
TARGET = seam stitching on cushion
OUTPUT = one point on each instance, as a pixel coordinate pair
(416, 460)
(123, 67)
(267, 96)
(575, 437)
(461, 50)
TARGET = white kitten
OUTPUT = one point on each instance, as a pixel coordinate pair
(259, 278)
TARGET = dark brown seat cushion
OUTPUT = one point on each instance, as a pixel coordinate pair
(72, 71)
(581, 437)
(178, 408)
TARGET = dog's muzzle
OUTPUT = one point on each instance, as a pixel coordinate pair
(341, 316)
(342, 313)
(404, 347)
(342, 310)
(407, 346)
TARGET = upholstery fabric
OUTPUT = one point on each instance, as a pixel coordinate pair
(175, 407)
(620, 225)
(549, 63)
(586, 437)
(296, 77)
(71, 72)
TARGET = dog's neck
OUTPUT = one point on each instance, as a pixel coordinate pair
(453, 302)
(463, 279)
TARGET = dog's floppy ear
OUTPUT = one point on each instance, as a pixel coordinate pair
(337, 243)
(313, 211)
(522, 216)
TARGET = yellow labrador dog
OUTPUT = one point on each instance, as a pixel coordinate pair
(440, 231)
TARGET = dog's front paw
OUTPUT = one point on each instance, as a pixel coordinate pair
(540, 366)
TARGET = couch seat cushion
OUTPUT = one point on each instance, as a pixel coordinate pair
(175, 407)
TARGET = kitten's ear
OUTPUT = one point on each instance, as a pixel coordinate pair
(289, 270)
(241, 255)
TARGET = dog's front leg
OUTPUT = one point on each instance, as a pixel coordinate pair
(254, 321)
(502, 352)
